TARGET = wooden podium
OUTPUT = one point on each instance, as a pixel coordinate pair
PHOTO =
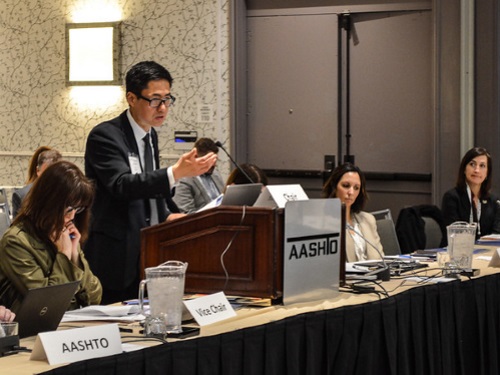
(237, 250)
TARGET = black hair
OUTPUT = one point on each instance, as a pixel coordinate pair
(139, 76)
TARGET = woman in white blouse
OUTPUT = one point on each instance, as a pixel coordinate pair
(347, 183)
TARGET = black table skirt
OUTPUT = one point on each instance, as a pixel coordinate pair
(450, 328)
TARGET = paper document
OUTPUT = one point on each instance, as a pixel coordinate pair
(354, 268)
(98, 312)
(215, 203)
(484, 257)
(430, 280)
(490, 237)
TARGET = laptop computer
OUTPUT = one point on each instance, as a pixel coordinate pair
(241, 194)
(43, 308)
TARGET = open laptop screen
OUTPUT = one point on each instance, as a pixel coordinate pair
(241, 194)
(43, 308)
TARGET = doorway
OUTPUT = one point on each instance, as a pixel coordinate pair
(309, 99)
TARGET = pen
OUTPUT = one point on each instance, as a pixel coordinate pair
(219, 199)
(134, 302)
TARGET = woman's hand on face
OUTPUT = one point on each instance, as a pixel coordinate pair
(67, 243)
(74, 236)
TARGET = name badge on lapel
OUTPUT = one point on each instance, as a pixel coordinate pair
(135, 164)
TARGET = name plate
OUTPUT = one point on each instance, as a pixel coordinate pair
(495, 259)
(210, 309)
(72, 345)
(279, 195)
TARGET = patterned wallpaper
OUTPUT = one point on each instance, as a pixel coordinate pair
(189, 37)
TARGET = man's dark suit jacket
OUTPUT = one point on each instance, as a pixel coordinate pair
(120, 207)
(456, 207)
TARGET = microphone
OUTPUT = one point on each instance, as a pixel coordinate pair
(218, 144)
(384, 273)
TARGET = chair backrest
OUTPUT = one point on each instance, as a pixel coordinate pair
(433, 234)
(4, 202)
(4, 222)
(382, 214)
(416, 223)
(388, 237)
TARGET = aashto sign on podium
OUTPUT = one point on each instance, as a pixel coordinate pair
(311, 257)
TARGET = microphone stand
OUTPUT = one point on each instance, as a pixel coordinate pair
(384, 273)
(218, 144)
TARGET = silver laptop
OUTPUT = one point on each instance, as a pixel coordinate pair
(43, 308)
(241, 195)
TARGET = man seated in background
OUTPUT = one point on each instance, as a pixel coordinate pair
(193, 193)
(41, 159)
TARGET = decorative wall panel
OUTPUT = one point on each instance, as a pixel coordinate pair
(188, 37)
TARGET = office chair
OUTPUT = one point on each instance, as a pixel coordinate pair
(416, 223)
(4, 202)
(382, 214)
(433, 233)
(4, 222)
(387, 232)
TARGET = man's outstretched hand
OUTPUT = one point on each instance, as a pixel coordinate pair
(189, 165)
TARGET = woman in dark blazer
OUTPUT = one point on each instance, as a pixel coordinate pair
(470, 200)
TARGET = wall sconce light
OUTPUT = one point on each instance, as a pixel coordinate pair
(93, 54)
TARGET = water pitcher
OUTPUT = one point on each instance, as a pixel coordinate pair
(461, 238)
(165, 287)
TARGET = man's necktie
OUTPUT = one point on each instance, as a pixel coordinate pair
(148, 154)
(210, 186)
(148, 167)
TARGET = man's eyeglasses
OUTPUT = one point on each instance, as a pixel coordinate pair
(155, 102)
(76, 209)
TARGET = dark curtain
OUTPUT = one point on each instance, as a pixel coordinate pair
(448, 328)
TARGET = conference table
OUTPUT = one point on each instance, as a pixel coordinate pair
(413, 326)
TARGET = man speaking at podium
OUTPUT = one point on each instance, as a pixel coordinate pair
(132, 191)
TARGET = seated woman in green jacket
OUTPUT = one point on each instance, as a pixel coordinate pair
(42, 246)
